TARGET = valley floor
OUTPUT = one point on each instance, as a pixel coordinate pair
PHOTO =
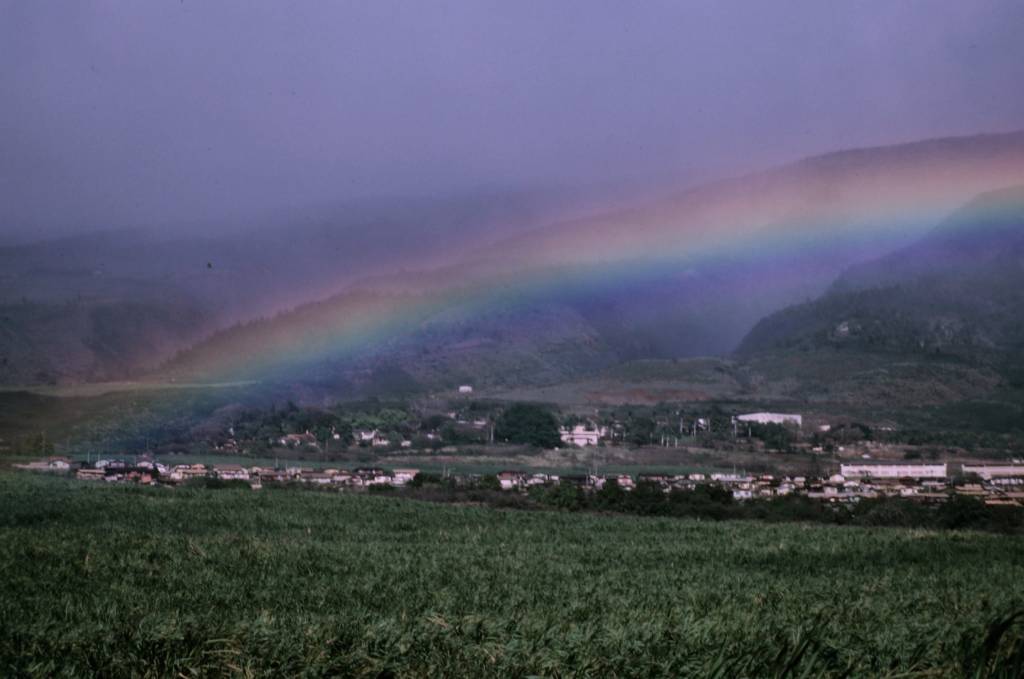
(124, 580)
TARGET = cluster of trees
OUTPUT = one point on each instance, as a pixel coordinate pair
(394, 420)
(775, 436)
(32, 444)
(529, 424)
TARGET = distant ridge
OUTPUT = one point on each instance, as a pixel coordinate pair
(691, 308)
(957, 292)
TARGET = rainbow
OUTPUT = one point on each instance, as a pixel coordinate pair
(766, 231)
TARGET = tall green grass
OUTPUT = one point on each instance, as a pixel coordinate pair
(118, 580)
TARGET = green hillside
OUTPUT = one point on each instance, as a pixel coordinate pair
(944, 318)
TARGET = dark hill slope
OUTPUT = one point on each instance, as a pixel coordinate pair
(958, 294)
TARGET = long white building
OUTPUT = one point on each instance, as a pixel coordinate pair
(995, 471)
(894, 471)
(772, 418)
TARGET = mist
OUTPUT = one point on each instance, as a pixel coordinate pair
(205, 117)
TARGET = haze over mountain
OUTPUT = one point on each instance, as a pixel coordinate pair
(195, 117)
(112, 304)
(437, 333)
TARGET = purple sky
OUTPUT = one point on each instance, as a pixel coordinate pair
(134, 113)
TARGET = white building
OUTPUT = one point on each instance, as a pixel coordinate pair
(894, 471)
(510, 480)
(581, 436)
(183, 472)
(231, 472)
(772, 418)
(374, 438)
(53, 464)
(404, 476)
(466, 389)
(995, 471)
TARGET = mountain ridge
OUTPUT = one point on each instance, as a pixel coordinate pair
(656, 318)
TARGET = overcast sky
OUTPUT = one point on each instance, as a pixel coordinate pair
(131, 113)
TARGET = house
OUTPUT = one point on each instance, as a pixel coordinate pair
(373, 438)
(894, 471)
(342, 477)
(110, 464)
(510, 480)
(771, 418)
(785, 488)
(582, 435)
(373, 477)
(664, 481)
(466, 389)
(297, 440)
(624, 481)
(184, 472)
(276, 475)
(231, 472)
(90, 474)
(318, 478)
(138, 475)
(404, 476)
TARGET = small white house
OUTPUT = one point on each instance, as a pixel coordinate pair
(404, 476)
(466, 389)
(374, 438)
(511, 480)
(581, 436)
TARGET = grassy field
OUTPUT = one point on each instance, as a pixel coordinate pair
(122, 580)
